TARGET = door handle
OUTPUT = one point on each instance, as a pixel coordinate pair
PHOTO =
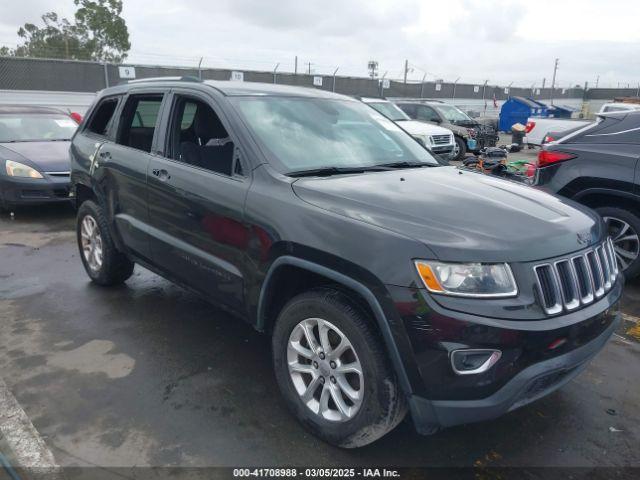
(161, 173)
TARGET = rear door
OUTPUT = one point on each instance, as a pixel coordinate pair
(120, 168)
(608, 154)
(197, 191)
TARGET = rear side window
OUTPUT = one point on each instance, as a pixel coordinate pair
(138, 121)
(102, 117)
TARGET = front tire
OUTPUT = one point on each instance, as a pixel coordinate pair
(333, 371)
(460, 148)
(104, 264)
(624, 229)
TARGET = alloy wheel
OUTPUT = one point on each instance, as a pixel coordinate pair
(325, 370)
(626, 242)
(91, 241)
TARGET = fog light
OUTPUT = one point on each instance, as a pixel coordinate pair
(471, 361)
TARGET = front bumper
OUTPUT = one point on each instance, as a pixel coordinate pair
(530, 384)
(442, 150)
(28, 191)
(538, 355)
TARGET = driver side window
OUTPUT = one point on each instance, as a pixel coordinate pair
(198, 137)
(427, 114)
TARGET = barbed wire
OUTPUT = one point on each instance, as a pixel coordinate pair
(304, 65)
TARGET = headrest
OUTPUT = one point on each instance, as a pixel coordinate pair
(206, 125)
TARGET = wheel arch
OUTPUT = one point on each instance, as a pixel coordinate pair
(269, 303)
(601, 197)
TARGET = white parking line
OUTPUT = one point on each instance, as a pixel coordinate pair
(26, 446)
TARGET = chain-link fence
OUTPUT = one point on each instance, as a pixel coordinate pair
(71, 84)
(78, 76)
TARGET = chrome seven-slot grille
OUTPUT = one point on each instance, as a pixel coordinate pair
(441, 139)
(571, 282)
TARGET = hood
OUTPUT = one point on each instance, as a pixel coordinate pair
(420, 128)
(44, 156)
(459, 215)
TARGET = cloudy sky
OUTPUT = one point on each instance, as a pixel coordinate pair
(502, 41)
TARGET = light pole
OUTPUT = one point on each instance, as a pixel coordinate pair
(274, 72)
(334, 78)
(422, 85)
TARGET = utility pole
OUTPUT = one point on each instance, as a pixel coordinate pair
(406, 70)
(200, 69)
(553, 81)
(295, 65)
(597, 80)
(309, 68)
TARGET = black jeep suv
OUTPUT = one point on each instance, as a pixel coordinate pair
(597, 165)
(387, 281)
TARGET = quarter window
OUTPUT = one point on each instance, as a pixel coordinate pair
(102, 117)
(138, 121)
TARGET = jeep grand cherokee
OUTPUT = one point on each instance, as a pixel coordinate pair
(387, 282)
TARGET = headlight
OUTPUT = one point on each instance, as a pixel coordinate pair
(482, 280)
(15, 169)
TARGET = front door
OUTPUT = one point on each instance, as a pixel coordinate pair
(197, 191)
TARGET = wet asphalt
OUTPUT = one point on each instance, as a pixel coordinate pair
(150, 374)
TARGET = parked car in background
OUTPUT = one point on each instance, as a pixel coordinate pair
(470, 135)
(387, 281)
(34, 155)
(619, 107)
(537, 128)
(597, 166)
(437, 139)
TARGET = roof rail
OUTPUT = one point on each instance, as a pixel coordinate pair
(185, 78)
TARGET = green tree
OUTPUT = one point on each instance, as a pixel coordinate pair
(98, 33)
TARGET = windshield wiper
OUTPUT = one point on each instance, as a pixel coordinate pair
(328, 171)
(405, 164)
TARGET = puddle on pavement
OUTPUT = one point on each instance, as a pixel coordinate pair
(94, 357)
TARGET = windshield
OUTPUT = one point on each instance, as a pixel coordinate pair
(389, 110)
(35, 127)
(454, 114)
(311, 133)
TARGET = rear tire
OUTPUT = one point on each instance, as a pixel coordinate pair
(461, 147)
(624, 229)
(378, 406)
(104, 264)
